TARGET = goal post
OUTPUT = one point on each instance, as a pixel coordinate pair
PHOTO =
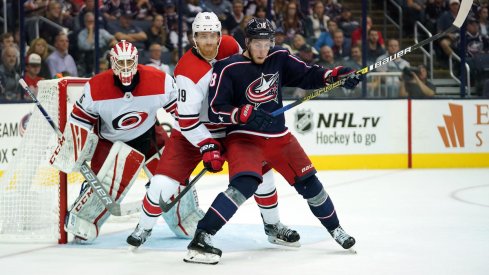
(33, 194)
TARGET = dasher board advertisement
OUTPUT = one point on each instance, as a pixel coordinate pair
(450, 133)
(352, 134)
(12, 128)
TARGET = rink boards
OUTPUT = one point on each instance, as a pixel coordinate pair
(354, 134)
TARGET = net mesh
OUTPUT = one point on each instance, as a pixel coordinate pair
(29, 188)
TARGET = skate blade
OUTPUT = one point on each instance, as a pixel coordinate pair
(277, 241)
(79, 241)
(132, 248)
(197, 257)
(352, 250)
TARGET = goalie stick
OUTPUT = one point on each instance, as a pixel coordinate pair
(463, 11)
(165, 207)
(110, 204)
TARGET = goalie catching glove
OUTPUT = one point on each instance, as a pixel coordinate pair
(255, 118)
(339, 73)
(211, 155)
(75, 146)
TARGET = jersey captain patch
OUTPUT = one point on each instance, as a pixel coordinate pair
(263, 89)
(129, 120)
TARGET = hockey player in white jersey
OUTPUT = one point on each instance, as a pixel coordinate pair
(194, 139)
(113, 125)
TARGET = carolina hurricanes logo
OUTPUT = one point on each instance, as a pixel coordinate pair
(263, 89)
(129, 120)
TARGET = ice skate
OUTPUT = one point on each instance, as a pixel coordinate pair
(280, 234)
(201, 251)
(342, 238)
(138, 237)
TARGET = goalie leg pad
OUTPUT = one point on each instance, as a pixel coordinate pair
(81, 228)
(117, 175)
(182, 219)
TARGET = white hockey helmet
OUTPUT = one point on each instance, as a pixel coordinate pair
(124, 61)
(206, 22)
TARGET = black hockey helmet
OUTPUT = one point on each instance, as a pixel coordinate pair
(259, 28)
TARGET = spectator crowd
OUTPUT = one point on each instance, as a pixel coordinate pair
(321, 32)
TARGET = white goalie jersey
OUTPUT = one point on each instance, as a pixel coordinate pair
(124, 116)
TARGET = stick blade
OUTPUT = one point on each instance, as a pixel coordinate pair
(165, 207)
(465, 7)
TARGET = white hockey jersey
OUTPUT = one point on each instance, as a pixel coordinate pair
(124, 116)
(193, 75)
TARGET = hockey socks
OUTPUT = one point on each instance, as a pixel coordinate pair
(319, 202)
(160, 186)
(267, 203)
(149, 215)
(227, 203)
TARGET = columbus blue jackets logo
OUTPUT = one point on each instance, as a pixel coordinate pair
(303, 121)
(263, 89)
(129, 120)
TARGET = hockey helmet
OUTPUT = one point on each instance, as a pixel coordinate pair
(124, 61)
(260, 28)
(206, 22)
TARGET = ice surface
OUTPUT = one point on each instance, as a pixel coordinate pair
(405, 222)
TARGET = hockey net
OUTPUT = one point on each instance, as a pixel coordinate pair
(33, 195)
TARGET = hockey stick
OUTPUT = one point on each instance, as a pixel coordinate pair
(463, 11)
(167, 206)
(113, 207)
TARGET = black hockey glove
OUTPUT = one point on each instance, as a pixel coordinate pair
(255, 118)
(347, 73)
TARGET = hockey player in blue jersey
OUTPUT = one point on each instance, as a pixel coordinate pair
(244, 90)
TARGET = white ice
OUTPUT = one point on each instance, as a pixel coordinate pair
(405, 222)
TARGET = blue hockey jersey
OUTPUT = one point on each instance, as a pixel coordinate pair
(237, 81)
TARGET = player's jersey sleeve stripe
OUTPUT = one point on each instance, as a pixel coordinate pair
(171, 106)
(81, 115)
(187, 122)
(191, 127)
(81, 120)
(233, 116)
(188, 116)
(77, 104)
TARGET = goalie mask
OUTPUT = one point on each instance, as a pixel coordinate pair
(124, 61)
(207, 22)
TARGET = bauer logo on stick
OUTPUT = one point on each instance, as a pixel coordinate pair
(390, 58)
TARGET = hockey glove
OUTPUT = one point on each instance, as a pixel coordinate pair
(211, 154)
(255, 118)
(347, 73)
